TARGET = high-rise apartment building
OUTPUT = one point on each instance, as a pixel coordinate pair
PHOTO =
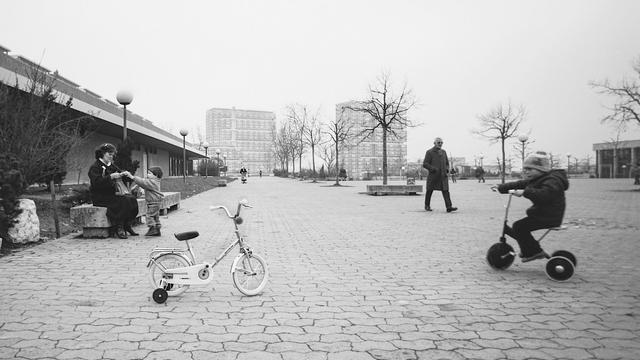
(363, 159)
(244, 138)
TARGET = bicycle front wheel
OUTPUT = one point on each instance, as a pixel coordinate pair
(250, 274)
(157, 274)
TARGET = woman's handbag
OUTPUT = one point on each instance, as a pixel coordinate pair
(122, 188)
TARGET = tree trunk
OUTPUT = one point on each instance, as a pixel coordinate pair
(614, 172)
(503, 162)
(384, 155)
(337, 166)
(313, 162)
(54, 209)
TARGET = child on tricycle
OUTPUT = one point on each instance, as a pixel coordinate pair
(545, 188)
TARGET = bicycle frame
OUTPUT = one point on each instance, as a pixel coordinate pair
(200, 274)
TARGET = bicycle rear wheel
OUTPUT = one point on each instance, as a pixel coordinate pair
(250, 274)
(157, 275)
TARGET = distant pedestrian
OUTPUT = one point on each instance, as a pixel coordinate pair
(454, 174)
(636, 173)
(437, 163)
(260, 173)
(480, 174)
(153, 197)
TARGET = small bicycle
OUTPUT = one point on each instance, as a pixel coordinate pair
(173, 270)
(560, 265)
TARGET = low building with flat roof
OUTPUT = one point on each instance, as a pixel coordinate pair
(616, 159)
(153, 145)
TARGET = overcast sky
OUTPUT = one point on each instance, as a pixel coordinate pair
(461, 58)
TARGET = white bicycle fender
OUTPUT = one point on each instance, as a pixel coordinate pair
(235, 262)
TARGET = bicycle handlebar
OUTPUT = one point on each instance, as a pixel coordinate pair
(241, 203)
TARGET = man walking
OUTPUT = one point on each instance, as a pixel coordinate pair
(436, 161)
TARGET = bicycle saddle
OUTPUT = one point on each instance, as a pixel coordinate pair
(186, 235)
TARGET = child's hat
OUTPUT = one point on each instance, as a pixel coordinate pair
(157, 171)
(538, 160)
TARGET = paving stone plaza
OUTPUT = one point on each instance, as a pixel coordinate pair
(352, 277)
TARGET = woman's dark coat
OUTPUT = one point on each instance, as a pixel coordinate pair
(120, 209)
(437, 162)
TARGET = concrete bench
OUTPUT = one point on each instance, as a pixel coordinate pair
(93, 219)
(393, 189)
(170, 201)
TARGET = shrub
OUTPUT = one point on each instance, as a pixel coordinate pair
(123, 157)
(78, 196)
(211, 168)
(280, 173)
(12, 185)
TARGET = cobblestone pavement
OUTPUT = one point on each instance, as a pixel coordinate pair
(352, 277)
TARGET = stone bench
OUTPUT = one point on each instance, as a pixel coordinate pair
(393, 189)
(170, 201)
(93, 219)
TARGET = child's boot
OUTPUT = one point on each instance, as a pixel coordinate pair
(153, 231)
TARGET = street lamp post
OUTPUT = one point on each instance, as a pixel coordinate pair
(206, 161)
(523, 140)
(568, 163)
(125, 98)
(184, 133)
(481, 157)
(218, 160)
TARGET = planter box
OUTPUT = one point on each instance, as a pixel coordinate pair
(393, 189)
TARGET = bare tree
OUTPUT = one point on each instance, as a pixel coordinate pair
(340, 131)
(388, 110)
(499, 124)
(308, 124)
(615, 145)
(298, 117)
(282, 146)
(554, 160)
(38, 126)
(587, 163)
(327, 154)
(627, 95)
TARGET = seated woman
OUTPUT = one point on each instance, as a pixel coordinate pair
(103, 174)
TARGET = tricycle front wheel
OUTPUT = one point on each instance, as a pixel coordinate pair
(500, 256)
